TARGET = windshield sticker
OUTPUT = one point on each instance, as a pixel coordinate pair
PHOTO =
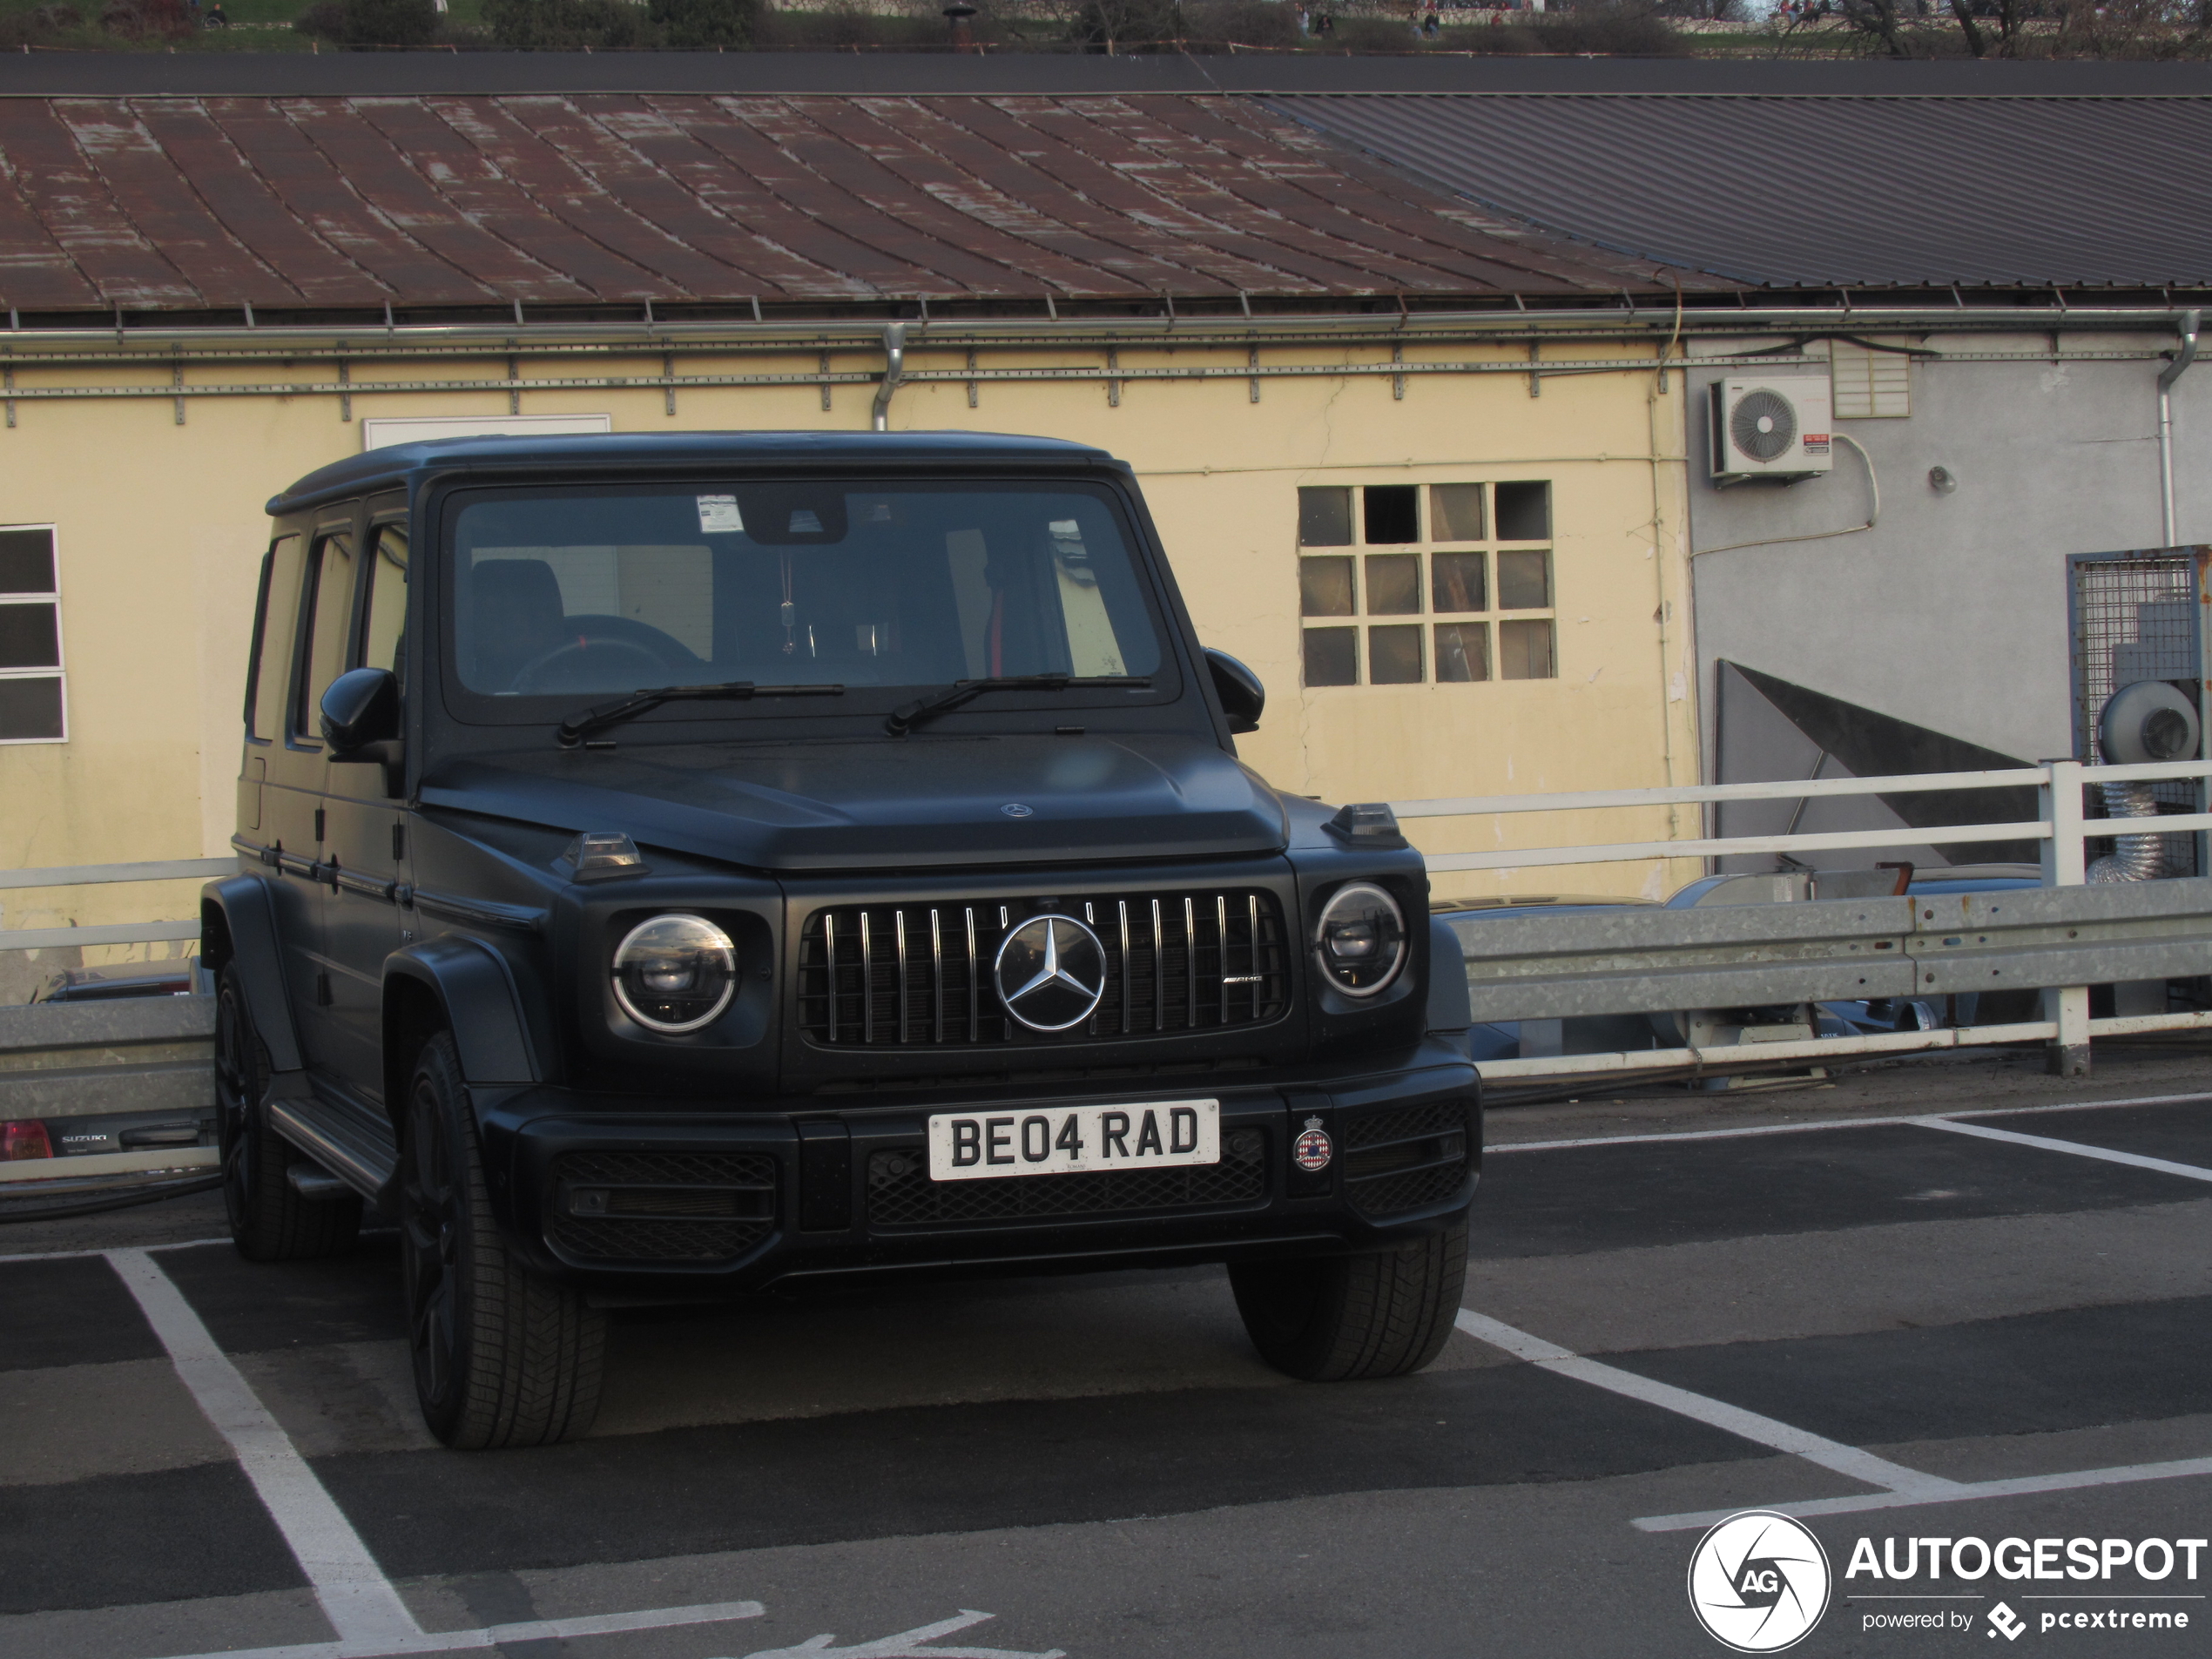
(718, 516)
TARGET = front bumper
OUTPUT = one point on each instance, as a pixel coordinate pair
(653, 1201)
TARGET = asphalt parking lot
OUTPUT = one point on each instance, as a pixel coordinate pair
(1994, 1323)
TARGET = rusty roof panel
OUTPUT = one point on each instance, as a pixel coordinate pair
(190, 203)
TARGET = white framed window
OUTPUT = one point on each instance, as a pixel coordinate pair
(34, 707)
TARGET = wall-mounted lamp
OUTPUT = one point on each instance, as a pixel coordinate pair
(1943, 481)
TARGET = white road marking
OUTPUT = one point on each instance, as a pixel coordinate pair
(358, 1601)
(364, 1608)
(1750, 1426)
(1835, 1123)
(535, 1630)
(1963, 1492)
(907, 1644)
(72, 1255)
(2079, 1148)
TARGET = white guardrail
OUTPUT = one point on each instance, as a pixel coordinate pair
(72, 1059)
(1640, 959)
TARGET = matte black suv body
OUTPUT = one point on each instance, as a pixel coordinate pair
(421, 1007)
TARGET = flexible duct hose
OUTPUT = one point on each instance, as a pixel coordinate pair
(2133, 858)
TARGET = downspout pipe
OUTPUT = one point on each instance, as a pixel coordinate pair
(895, 369)
(2172, 372)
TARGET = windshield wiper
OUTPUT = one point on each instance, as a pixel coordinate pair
(577, 727)
(907, 716)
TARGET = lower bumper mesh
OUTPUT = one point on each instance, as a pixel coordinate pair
(1407, 1158)
(900, 1193)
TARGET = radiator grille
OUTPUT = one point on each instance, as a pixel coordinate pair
(889, 976)
(900, 1193)
(663, 1206)
(1406, 1157)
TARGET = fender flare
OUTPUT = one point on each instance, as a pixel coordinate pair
(248, 924)
(1450, 1009)
(473, 985)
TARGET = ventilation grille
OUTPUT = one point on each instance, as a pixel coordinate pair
(1405, 1158)
(900, 1193)
(662, 1206)
(889, 976)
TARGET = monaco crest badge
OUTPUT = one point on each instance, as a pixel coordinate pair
(1312, 1149)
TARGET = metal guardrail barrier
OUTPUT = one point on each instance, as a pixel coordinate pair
(2059, 939)
(140, 1057)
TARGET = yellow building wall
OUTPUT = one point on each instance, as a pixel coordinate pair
(159, 531)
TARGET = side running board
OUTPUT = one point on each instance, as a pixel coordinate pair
(350, 1144)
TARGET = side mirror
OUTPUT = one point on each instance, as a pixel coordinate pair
(1243, 698)
(361, 708)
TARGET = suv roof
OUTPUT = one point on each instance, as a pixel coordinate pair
(397, 463)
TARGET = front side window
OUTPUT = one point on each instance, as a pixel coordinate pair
(597, 591)
(33, 708)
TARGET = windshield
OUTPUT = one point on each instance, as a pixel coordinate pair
(597, 589)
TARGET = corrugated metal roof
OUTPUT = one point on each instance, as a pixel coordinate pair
(179, 203)
(1843, 192)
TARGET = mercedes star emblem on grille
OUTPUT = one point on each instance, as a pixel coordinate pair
(1050, 973)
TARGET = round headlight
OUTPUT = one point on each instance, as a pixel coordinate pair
(674, 973)
(1360, 939)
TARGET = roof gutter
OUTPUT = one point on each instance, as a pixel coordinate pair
(32, 345)
(2189, 324)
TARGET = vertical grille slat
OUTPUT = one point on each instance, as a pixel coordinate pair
(1165, 974)
(936, 979)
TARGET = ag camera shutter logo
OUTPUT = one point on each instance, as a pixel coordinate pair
(1758, 1581)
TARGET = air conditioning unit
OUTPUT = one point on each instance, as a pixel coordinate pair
(1771, 428)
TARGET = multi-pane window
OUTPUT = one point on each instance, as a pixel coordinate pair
(32, 707)
(1410, 585)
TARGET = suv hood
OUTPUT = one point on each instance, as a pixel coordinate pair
(922, 803)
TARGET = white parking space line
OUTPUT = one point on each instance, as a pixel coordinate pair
(1895, 1478)
(1837, 1123)
(2079, 1148)
(79, 1255)
(537, 1630)
(358, 1599)
(1962, 1492)
(364, 1609)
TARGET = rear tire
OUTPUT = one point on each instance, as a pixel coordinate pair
(502, 1358)
(1338, 1318)
(271, 1220)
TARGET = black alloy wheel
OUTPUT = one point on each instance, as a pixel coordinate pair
(271, 1220)
(501, 1357)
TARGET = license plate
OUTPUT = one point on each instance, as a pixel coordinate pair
(1065, 1140)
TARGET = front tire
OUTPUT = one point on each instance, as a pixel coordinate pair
(271, 1220)
(1338, 1318)
(502, 1358)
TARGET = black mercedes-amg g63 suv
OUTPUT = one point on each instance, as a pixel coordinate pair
(675, 867)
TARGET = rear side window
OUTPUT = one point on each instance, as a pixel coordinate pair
(329, 617)
(270, 672)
